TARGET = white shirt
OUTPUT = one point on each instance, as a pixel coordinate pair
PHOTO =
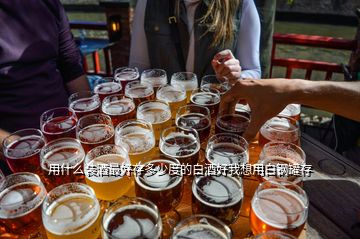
(247, 50)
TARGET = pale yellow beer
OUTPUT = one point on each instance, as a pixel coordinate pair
(174, 95)
(188, 80)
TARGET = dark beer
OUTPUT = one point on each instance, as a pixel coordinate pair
(139, 92)
(124, 75)
(231, 123)
(107, 87)
(209, 99)
(211, 82)
(119, 108)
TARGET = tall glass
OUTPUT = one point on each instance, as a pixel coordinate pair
(209, 82)
(139, 137)
(132, 218)
(60, 159)
(94, 130)
(201, 226)
(22, 150)
(279, 206)
(105, 171)
(154, 77)
(218, 196)
(188, 80)
(281, 129)
(209, 98)
(225, 149)
(124, 75)
(108, 86)
(58, 123)
(84, 103)
(119, 108)
(231, 123)
(174, 95)
(274, 235)
(139, 92)
(71, 211)
(157, 113)
(20, 206)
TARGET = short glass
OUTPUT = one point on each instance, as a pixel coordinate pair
(130, 218)
(209, 98)
(58, 123)
(187, 79)
(154, 77)
(119, 108)
(231, 123)
(139, 92)
(124, 75)
(174, 95)
(107, 86)
(212, 82)
(84, 103)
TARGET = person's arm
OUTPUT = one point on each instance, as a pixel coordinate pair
(268, 97)
(139, 55)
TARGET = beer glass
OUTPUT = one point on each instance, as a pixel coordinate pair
(209, 98)
(104, 171)
(157, 113)
(22, 150)
(124, 75)
(183, 145)
(188, 80)
(201, 226)
(280, 128)
(108, 86)
(131, 218)
(20, 206)
(59, 160)
(231, 123)
(274, 235)
(218, 196)
(139, 92)
(292, 111)
(71, 211)
(195, 117)
(278, 206)
(154, 77)
(225, 149)
(119, 108)
(243, 110)
(138, 136)
(211, 82)
(58, 123)
(279, 153)
(94, 130)
(84, 103)
(174, 95)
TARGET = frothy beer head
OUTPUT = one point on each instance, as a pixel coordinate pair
(154, 77)
(84, 102)
(232, 123)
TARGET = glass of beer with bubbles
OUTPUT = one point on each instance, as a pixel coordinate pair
(174, 95)
(281, 129)
(279, 206)
(188, 80)
(21, 197)
(157, 113)
(138, 136)
(195, 117)
(22, 150)
(157, 183)
(105, 171)
(183, 145)
(71, 211)
(94, 130)
(286, 154)
(60, 159)
(124, 75)
(132, 218)
(107, 86)
(231, 123)
(209, 98)
(154, 77)
(225, 149)
(84, 103)
(139, 92)
(218, 196)
(274, 235)
(201, 226)
(243, 110)
(292, 111)
(119, 108)
(211, 82)
(58, 123)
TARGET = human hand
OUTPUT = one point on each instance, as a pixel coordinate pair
(226, 66)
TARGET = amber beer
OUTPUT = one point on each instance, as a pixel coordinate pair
(139, 92)
(110, 186)
(154, 77)
(174, 95)
(95, 130)
(209, 98)
(274, 235)
(107, 87)
(71, 211)
(84, 103)
(20, 206)
(292, 111)
(124, 75)
(281, 129)
(188, 80)
(69, 155)
(132, 218)
(157, 113)
(119, 108)
(219, 196)
(280, 207)
(231, 123)
(211, 82)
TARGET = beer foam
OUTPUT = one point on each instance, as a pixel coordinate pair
(107, 87)
(218, 191)
(140, 91)
(96, 133)
(171, 95)
(279, 129)
(219, 155)
(118, 107)
(24, 147)
(282, 152)
(178, 149)
(64, 155)
(200, 231)
(188, 85)
(71, 214)
(205, 99)
(137, 138)
(155, 81)
(154, 116)
(85, 104)
(279, 208)
(133, 228)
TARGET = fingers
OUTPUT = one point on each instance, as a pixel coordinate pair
(224, 56)
(228, 102)
(257, 120)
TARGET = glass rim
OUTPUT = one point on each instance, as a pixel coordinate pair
(104, 146)
(146, 105)
(295, 148)
(237, 137)
(122, 68)
(162, 71)
(291, 120)
(88, 116)
(72, 116)
(194, 106)
(173, 86)
(107, 101)
(149, 89)
(128, 122)
(200, 91)
(187, 73)
(82, 94)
